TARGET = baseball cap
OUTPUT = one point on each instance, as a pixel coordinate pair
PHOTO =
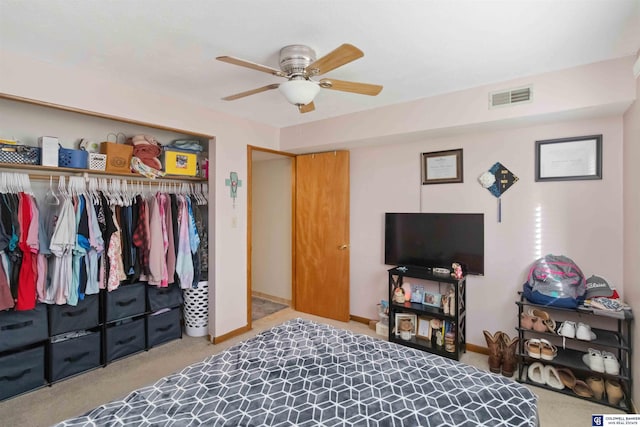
(599, 287)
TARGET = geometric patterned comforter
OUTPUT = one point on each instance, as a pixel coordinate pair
(304, 373)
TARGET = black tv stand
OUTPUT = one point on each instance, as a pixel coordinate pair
(458, 318)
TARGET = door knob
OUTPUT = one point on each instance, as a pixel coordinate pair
(343, 247)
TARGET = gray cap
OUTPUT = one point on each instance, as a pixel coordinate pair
(598, 287)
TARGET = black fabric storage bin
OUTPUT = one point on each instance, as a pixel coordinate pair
(21, 372)
(125, 339)
(65, 318)
(126, 301)
(73, 356)
(20, 328)
(163, 327)
(159, 298)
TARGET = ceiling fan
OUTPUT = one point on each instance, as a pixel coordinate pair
(298, 64)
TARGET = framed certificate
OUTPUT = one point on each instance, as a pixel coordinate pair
(442, 167)
(569, 158)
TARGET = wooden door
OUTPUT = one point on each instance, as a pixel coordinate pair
(322, 235)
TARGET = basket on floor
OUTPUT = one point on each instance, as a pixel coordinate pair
(196, 310)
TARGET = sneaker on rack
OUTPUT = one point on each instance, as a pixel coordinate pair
(567, 329)
(594, 360)
(584, 333)
(611, 364)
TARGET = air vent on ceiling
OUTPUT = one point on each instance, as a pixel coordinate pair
(508, 97)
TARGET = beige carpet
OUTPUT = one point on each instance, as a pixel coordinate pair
(75, 396)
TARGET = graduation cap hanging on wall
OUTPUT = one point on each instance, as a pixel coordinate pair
(497, 180)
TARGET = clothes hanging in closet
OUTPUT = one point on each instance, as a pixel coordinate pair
(19, 244)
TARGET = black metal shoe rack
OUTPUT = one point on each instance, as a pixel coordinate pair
(613, 335)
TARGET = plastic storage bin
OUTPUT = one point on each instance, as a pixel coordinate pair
(20, 154)
(70, 158)
(177, 162)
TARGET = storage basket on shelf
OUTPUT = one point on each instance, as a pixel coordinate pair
(97, 161)
(180, 162)
(70, 158)
(196, 310)
(20, 154)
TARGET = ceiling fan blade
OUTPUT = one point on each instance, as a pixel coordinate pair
(251, 92)
(252, 65)
(307, 108)
(361, 88)
(338, 57)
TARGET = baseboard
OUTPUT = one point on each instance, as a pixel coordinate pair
(360, 319)
(229, 335)
(271, 298)
(477, 349)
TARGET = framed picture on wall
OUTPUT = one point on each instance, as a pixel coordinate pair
(569, 159)
(442, 167)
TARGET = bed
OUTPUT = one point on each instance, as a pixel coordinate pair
(305, 373)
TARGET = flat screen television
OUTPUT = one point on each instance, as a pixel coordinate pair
(435, 240)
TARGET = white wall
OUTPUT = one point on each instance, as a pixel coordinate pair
(30, 78)
(631, 211)
(271, 228)
(580, 219)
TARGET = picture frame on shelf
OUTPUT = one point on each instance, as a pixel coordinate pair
(417, 294)
(406, 316)
(442, 167)
(431, 299)
(424, 328)
(569, 159)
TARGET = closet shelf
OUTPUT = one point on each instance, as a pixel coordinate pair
(55, 170)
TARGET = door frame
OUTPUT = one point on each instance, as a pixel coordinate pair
(250, 150)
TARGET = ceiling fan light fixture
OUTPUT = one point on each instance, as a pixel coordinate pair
(299, 91)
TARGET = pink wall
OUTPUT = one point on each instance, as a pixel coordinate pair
(580, 219)
(591, 90)
(631, 213)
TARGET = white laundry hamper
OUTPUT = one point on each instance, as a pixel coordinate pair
(196, 310)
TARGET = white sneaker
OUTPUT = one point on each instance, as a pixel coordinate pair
(611, 364)
(567, 329)
(584, 333)
(594, 360)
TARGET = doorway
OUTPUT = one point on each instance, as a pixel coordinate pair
(270, 231)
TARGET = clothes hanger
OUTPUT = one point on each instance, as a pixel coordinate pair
(51, 198)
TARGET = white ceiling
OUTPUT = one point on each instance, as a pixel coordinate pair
(415, 49)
